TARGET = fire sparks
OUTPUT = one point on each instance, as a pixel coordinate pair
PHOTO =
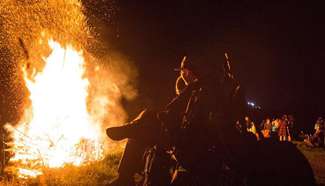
(57, 128)
(25, 173)
(58, 105)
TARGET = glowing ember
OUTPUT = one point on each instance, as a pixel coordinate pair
(25, 173)
(57, 129)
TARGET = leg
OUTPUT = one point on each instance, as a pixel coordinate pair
(130, 163)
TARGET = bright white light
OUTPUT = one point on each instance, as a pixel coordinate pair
(254, 105)
(251, 103)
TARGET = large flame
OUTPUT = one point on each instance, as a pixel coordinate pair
(57, 128)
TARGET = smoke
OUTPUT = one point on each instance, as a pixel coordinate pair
(112, 80)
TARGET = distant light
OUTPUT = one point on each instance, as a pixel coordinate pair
(251, 103)
(254, 105)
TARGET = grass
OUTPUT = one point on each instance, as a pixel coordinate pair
(96, 173)
(101, 172)
(316, 158)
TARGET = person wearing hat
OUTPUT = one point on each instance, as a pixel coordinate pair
(174, 116)
(190, 120)
(196, 116)
(132, 160)
(186, 76)
(187, 71)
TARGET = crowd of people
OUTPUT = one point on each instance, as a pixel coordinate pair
(277, 128)
(282, 129)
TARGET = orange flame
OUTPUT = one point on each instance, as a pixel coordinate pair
(57, 128)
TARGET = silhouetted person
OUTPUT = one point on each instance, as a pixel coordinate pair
(317, 139)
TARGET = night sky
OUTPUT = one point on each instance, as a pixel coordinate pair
(276, 48)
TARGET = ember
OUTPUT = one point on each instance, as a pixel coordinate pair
(60, 96)
(57, 128)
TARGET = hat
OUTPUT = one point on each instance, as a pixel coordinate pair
(185, 63)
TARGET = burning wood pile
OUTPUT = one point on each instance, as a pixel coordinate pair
(62, 95)
(57, 128)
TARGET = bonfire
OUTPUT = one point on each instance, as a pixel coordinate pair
(68, 95)
(57, 128)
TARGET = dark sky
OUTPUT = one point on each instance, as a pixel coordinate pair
(276, 47)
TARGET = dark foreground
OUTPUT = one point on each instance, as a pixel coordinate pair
(292, 168)
(316, 158)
